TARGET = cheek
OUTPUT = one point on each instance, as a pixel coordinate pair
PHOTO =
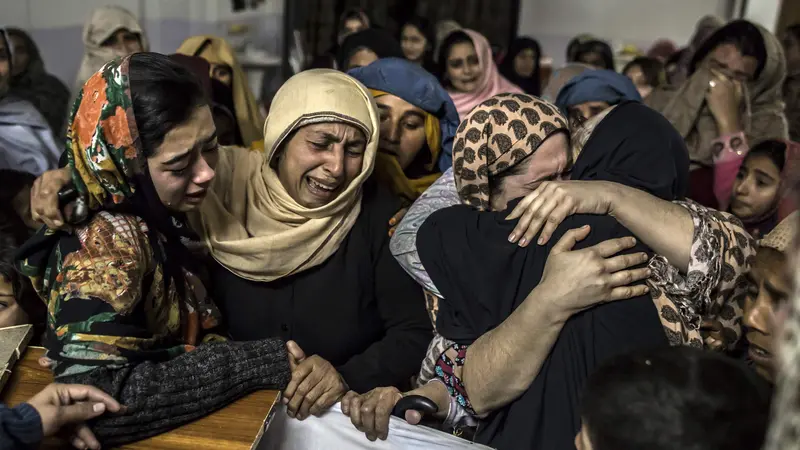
(169, 187)
(412, 143)
(353, 167)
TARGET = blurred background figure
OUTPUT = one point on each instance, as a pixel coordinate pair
(31, 82)
(417, 38)
(521, 65)
(647, 73)
(662, 50)
(677, 65)
(790, 38)
(596, 53)
(109, 32)
(367, 46)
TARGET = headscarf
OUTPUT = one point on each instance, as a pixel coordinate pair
(597, 46)
(413, 84)
(216, 50)
(763, 116)
(379, 41)
(483, 279)
(44, 91)
(251, 224)
(102, 24)
(497, 135)
(561, 77)
(597, 86)
(783, 236)
(532, 84)
(490, 83)
(705, 27)
(444, 28)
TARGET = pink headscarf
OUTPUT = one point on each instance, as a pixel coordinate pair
(491, 82)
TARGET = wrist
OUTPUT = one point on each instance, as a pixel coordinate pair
(547, 306)
(612, 192)
(437, 392)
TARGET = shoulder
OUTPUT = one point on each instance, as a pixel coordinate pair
(115, 235)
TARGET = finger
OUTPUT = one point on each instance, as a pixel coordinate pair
(413, 417)
(323, 403)
(299, 375)
(355, 413)
(34, 197)
(528, 217)
(84, 435)
(554, 220)
(398, 217)
(347, 400)
(613, 246)
(382, 413)
(45, 362)
(78, 443)
(628, 277)
(295, 350)
(368, 419)
(626, 292)
(80, 412)
(622, 262)
(83, 393)
(310, 399)
(303, 389)
(50, 213)
(570, 238)
(522, 206)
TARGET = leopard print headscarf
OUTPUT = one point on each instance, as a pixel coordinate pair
(496, 135)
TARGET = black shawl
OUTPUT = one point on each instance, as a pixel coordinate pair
(483, 278)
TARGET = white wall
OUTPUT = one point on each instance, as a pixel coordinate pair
(56, 25)
(764, 12)
(638, 22)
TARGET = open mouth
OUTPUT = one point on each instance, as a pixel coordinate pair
(319, 188)
(758, 354)
(197, 196)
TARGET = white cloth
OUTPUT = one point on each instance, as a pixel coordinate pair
(26, 142)
(333, 430)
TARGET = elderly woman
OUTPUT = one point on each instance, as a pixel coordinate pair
(732, 99)
(110, 32)
(127, 312)
(418, 122)
(681, 302)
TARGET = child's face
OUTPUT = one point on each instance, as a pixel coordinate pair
(10, 312)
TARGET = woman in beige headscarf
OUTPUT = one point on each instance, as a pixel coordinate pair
(227, 70)
(111, 31)
(731, 100)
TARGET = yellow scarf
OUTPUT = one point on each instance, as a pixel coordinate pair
(218, 51)
(389, 172)
(251, 224)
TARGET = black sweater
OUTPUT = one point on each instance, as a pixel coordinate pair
(358, 310)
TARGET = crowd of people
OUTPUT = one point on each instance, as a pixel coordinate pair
(599, 258)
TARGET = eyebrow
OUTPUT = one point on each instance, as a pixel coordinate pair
(761, 172)
(775, 291)
(415, 113)
(188, 152)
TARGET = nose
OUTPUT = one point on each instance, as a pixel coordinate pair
(743, 188)
(391, 132)
(757, 315)
(334, 161)
(204, 173)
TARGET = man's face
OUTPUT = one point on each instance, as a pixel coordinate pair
(5, 67)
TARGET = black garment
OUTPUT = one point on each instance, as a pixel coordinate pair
(532, 84)
(483, 278)
(359, 310)
(379, 41)
(20, 427)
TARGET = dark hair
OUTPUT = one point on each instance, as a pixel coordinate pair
(794, 30)
(354, 13)
(426, 28)
(774, 149)
(599, 47)
(743, 35)
(652, 69)
(675, 398)
(24, 294)
(13, 182)
(456, 37)
(164, 94)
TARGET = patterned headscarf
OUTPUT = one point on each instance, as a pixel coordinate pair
(498, 134)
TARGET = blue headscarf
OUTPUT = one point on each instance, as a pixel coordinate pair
(415, 85)
(597, 86)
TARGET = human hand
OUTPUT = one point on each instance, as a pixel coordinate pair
(724, 97)
(44, 197)
(60, 405)
(315, 385)
(370, 412)
(395, 220)
(552, 202)
(711, 330)
(579, 279)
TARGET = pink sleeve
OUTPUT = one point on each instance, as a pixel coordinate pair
(729, 152)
